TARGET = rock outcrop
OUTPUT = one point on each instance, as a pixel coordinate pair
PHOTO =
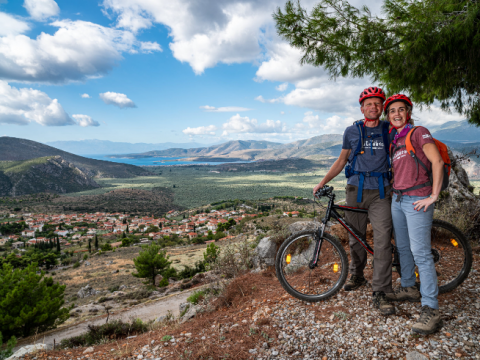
(459, 188)
(87, 291)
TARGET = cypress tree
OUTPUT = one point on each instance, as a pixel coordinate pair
(58, 244)
(96, 242)
(90, 246)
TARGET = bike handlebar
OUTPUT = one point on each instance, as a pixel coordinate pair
(326, 190)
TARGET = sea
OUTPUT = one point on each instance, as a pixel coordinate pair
(157, 161)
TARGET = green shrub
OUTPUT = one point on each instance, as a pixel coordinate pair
(76, 265)
(30, 302)
(85, 257)
(166, 338)
(163, 282)
(113, 288)
(211, 253)
(196, 296)
(8, 350)
(106, 247)
(98, 334)
(189, 272)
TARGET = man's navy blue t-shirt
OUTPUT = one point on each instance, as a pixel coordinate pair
(374, 159)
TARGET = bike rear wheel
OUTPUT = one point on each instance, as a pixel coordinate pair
(296, 277)
(452, 255)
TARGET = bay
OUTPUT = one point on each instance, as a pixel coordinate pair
(157, 161)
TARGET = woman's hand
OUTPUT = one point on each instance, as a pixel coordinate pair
(425, 202)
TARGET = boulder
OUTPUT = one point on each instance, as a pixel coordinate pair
(459, 188)
(183, 306)
(158, 278)
(87, 263)
(192, 311)
(87, 291)
(413, 355)
(20, 353)
(304, 225)
(264, 253)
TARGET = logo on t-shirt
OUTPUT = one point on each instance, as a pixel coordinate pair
(426, 136)
(375, 145)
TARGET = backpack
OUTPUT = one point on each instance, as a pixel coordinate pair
(360, 150)
(442, 148)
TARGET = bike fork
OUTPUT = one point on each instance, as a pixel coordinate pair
(318, 247)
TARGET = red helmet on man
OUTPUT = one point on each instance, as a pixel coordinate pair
(371, 92)
(396, 97)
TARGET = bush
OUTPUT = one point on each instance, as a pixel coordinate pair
(196, 297)
(8, 350)
(30, 302)
(85, 257)
(106, 247)
(113, 288)
(189, 272)
(211, 253)
(97, 334)
(76, 265)
(138, 294)
(163, 282)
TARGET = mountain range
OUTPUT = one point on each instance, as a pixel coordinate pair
(15, 149)
(96, 147)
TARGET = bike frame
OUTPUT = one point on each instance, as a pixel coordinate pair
(332, 213)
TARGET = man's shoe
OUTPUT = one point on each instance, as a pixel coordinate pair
(429, 321)
(410, 293)
(354, 283)
(382, 304)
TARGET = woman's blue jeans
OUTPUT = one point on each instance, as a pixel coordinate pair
(412, 237)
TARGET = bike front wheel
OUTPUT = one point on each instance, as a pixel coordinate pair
(294, 273)
(452, 255)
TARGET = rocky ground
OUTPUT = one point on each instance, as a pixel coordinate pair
(255, 319)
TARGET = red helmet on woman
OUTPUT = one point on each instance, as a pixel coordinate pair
(396, 97)
(371, 92)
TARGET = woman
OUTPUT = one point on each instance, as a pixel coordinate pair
(415, 193)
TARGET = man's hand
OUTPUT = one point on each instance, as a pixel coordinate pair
(320, 185)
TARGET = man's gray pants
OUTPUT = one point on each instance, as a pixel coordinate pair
(379, 213)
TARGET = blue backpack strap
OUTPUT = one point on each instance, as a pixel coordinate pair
(359, 149)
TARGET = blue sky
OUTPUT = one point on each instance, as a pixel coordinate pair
(163, 71)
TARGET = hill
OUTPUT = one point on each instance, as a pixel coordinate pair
(216, 150)
(15, 149)
(46, 174)
(456, 131)
(96, 147)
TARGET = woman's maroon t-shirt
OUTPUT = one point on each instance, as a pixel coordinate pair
(405, 167)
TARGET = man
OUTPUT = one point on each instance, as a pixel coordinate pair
(365, 149)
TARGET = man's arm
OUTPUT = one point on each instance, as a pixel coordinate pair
(336, 169)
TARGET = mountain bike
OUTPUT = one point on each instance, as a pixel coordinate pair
(312, 265)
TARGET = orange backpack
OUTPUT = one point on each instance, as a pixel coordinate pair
(442, 148)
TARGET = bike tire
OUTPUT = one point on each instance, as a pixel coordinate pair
(293, 277)
(442, 235)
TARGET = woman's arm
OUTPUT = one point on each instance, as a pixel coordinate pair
(433, 155)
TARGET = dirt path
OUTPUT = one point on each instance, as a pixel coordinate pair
(146, 312)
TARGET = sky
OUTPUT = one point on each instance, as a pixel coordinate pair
(157, 71)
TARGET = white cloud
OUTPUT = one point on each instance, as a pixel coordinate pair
(434, 116)
(85, 96)
(282, 87)
(85, 120)
(201, 130)
(148, 47)
(78, 50)
(12, 25)
(41, 10)
(204, 33)
(117, 99)
(24, 106)
(239, 124)
(224, 109)
(271, 101)
(312, 125)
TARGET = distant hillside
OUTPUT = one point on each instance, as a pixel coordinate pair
(321, 139)
(97, 147)
(45, 174)
(14, 149)
(216, 150)
(457, 131)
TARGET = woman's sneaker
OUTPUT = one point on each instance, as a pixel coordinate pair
(381, 303)
(410, 293)
(354, 283)
(429, 321)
